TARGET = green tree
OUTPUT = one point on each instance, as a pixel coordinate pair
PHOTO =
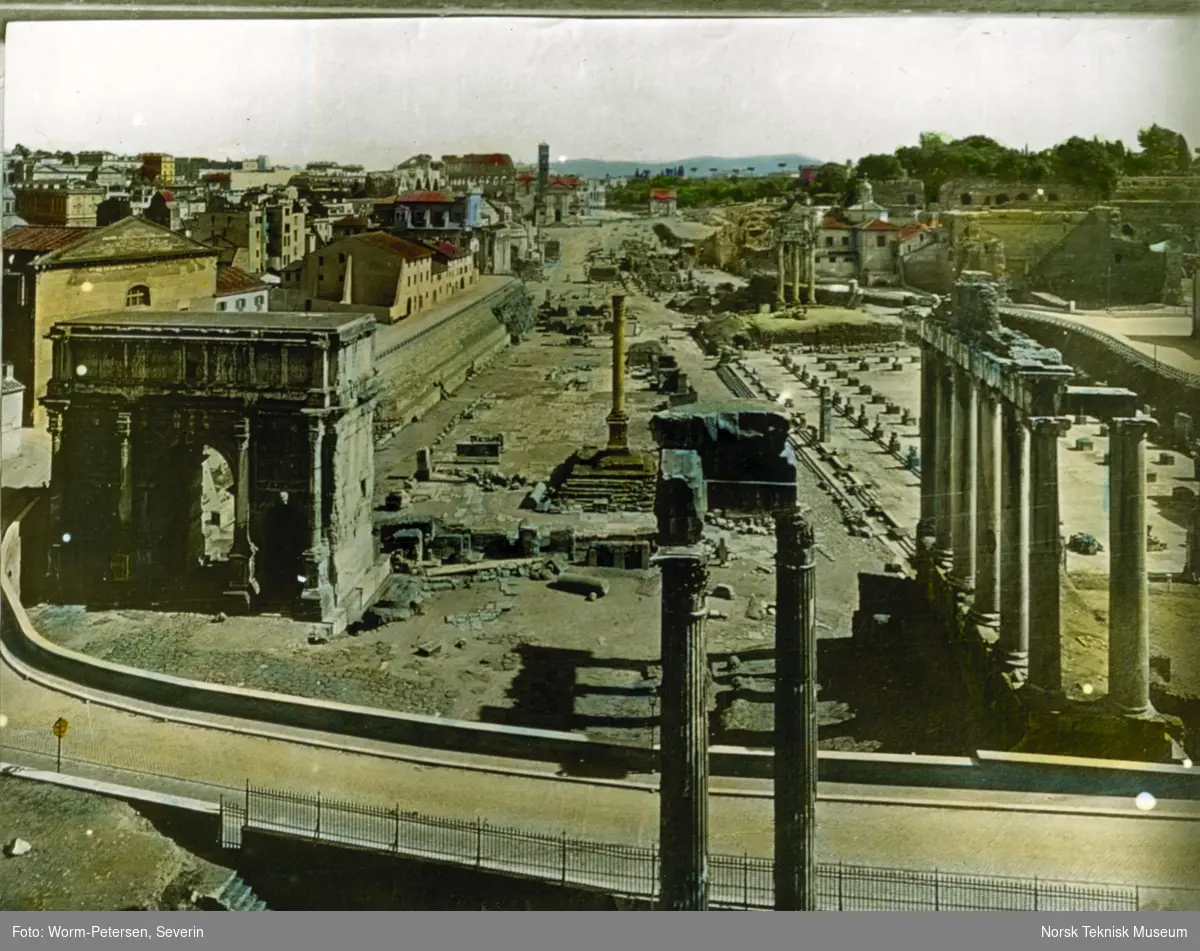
(879, 167)
(1087, 163)
(1164, 152)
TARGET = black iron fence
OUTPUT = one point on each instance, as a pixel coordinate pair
(632, 871)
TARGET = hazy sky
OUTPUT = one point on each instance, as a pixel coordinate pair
(377, 91)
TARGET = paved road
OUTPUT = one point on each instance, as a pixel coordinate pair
(997, 835)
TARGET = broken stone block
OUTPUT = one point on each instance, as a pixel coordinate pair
(17, 847)
(428, 649)
(723, 591)
(716, 615)
(756, 610)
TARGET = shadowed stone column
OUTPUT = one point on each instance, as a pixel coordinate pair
(795, 715)
(962, 494)
(1014, 545)
(1129, 590)
(1045, 556)
(795, 273)
(683, 803)
(944, 462)
(986, 607)
(122, 552)
(241, 555)
(929, 422)
(57, 555)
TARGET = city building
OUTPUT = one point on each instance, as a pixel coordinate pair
(237, 292)
(235, 228)
(663, 202)
(159, 168)
(59, 206)
(494, 174)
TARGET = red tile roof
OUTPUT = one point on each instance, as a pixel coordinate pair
(446, 249)
(835, 224)
(564, 181)
(525, 178)
(909, 230)
(218, 177)
(43, 237)
(398, 247)
(232, 280)
(878, 224)
(351, 221)
(662, 194)
(167, 196)
(496, 159)
(425, 198)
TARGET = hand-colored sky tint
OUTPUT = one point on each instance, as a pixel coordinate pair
(377, 91)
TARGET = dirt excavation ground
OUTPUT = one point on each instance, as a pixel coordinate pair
(89, 852)
(515, 650)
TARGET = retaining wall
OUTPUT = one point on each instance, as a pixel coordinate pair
(21, 643)
(417, 373)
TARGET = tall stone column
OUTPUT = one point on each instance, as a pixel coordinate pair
(944, 461)
(683, 796)
(1129, 589)
(795, 715)
(780, 277)
(316, 570)
(1014, 545)
(929, 422)
(1045, 556)
(962, 496)
(59, 537)
(986, 607)
(243, 583)
(795, 273)
(618, 419)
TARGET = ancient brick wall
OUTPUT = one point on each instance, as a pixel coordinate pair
(928, 268)
(350, 529)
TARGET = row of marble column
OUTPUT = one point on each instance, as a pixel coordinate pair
(796, 257)
(990, 509)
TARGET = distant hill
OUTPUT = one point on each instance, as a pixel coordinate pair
(762, 165)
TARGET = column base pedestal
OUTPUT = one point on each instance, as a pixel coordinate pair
(1146, 712)
(988, 619)
(1016, 664)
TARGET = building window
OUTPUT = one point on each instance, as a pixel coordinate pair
(829, 242)
(964, 198)
(321, 261)
(241, 304)
(817, 259)
(1001, 199)
(258, 302)
(222, 306)
(137, 296)
(912, 199)
(880, 241)
(845, 242)
(341, 259)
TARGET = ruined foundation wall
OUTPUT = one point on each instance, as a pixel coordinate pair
(410, 376)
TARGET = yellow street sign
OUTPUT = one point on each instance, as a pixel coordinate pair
(60, 727)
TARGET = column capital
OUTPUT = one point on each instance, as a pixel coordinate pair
(1049, 427)
(124, 424)
(1136, 426)
(241, 432)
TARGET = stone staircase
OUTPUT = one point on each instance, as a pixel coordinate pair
(236, 895)
(616, 492)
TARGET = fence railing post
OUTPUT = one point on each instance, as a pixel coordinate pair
(478, 842)
(937, 890)
(564, 856)
(746, 880)
(396, 837)
(839, 886)
(317, 834)
(246, 816)
(653, 873)
(1036, 903)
